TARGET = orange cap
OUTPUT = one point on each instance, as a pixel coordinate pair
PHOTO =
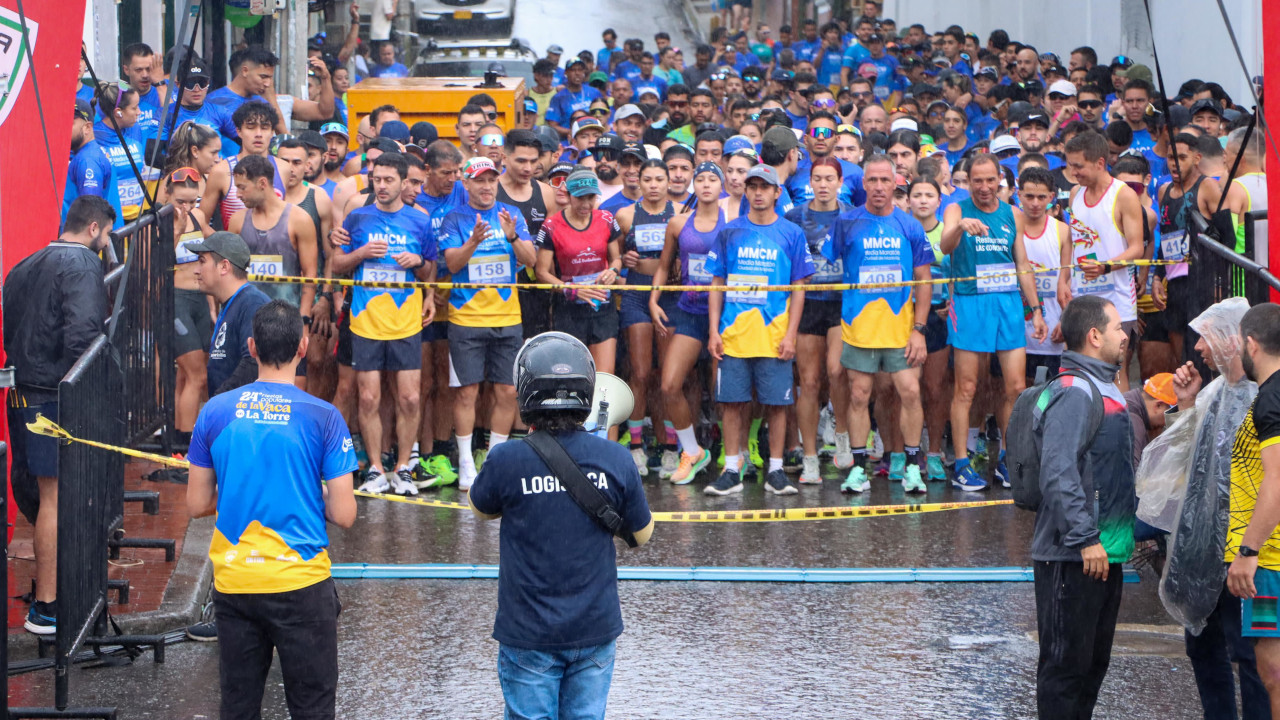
(1160, 387)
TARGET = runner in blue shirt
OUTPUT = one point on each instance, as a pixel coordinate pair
(828, 60)
(387, 66)
(118, 109)
(90, 172)
(253, 72)
(574, 96)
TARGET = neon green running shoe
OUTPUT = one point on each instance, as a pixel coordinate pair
(438, 472)
(480, 456)
(753, 449)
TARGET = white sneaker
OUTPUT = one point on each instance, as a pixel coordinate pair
(374, 482)
(877, 447)
(402, 481)
(670, 463)
(844, 454)
(826, 425)
(466, 476)
(641, 459)
(811, 473)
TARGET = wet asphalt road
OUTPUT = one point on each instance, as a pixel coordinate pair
(421, 648)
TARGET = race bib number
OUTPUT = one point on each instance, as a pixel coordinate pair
(1175, 245)
(996, 278)
(372, 271)
(490, 268)
(1104, 283)
(878, 275)
(1047, 284)
(827, 271)
(588, 280)
(266, 265)
(748, 297)
(649, 238)
(698, 274)
(182, 255)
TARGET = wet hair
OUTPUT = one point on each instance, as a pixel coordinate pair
(1089, 54)
(1119, 133)
(925, 181)
(482, 99)
(412, 160)
(1082, 314)
(376, 114)
(522, 138)
(1091, 144)
(1262, 323)
(277, 332)
(1037, 175)
(86, 210)
(470, 109)
(135, 50)
(907, 138)
(1139, 84)
(654, 163)
(393, 160)
(256, 167)
(186, 136)
(442, 151)
(256, 111)
(1032, 159)
(1132, 165)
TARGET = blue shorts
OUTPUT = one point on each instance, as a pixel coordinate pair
(436, 331)
(634, 308)
(1259, 613)
(771, 378)
(986, 323)
(690, 324)
(368, 355)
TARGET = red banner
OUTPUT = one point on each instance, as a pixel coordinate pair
(1271, 100)
(38, 51)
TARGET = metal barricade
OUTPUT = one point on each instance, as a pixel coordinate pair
(1219, 272)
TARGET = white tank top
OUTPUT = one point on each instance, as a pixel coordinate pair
(1255, 187)
(1044, 251)
(1094, 235)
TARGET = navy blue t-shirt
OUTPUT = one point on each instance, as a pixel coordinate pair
(558, 576)
(231, 334)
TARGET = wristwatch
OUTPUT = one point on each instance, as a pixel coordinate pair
(919, 327)
(1246, 551)
(306, 320)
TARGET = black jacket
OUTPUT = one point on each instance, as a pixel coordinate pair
(55, 304)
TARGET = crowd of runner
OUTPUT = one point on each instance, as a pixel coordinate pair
(845, 152)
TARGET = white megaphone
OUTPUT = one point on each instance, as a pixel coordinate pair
(610, 404)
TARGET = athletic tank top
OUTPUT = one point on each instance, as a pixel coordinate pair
(1255, 187)
(329, 186)
(648, 231)
(1044, 251)
(182, 255)
(534, 209)
(1175, 238)
(271, 253)
(988, 258)
(231, 203)
(694, 246)
(308, 205)
(941, 267)
(1094, 235)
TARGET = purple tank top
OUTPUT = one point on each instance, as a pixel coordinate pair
(694, 246)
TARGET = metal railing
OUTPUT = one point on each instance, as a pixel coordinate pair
(1219, 272)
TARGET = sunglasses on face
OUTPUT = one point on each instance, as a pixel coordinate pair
(862, 94)
(599, 112)
(751, 78)
(183, 174)
(1090, 104)
(492, 114)
(821, 133)
(1137, 187)
(557, 181)
(1058, 96)
(492, 140)
(606, 154)
(825, 103)
(677, 104)
(193, 83)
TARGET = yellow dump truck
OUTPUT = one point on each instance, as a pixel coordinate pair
(434, 99)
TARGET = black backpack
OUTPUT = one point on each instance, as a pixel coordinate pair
(1026, 438)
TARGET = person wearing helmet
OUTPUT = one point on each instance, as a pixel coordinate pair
(570, 637)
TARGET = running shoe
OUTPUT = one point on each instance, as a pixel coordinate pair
(811, 472)
(689, 466)
(1002, 474)
(778, 484)
(753, 451)
(442, 469)
(641, 459)
(937, 472)
(792, 460)
(911, 481)
(206, 631)
(882, 467)
(844, 454)
(374, 481)
(876, 443)
(897, 463)
(856, 482)
(414, 456)
(728, 482)
(402, 481)
(967, 479)
(670, 463)
(41, 619)
(479, 456)
(466, 476)
(357, 444)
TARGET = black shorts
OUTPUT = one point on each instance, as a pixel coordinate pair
(34, 456)
(436, 331)
(192, 326)
(1052, 362)
(1155, 327)
(343, 353)
(390, 355)
(1177, 311)
(935, 331)
(535, 311)
(590, 325)
(477, 354)
(819, 317)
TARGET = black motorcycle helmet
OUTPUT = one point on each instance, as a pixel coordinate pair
(554, 373)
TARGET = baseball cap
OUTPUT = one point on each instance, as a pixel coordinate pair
(530, 105)
(941, 60)
(1137, 71)
(1205, 104)
(1062, 86)
(582, 182)
(313, 139)
(197, 69)
(574, 60)
(924, 88)
(477, 166)
(900, 182)
(597, 76)
(765, 173)
(84, 111)
(423, 133)
(555, 50)
(904, 123)
(987, 72)
(868, 70)
(634, 149)
(1033, 87)
(227, 244)
(549, 138)
(609, 141)
(736, 143)
(1187, 89)
(561, 168)
(875, 37)
(1056, 70)
(1019, 110)
(1035, 117)
(1123, 61)
(394, 129)
(781, 138)
(1160, 387)
(385, 144)
(583, 124)
(911, 61)
(626, 111)
(781, 75)
(334, 128)
(1005, 143)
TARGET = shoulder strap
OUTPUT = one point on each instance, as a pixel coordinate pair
(575, 482)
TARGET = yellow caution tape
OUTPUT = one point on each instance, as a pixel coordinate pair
(45, 426)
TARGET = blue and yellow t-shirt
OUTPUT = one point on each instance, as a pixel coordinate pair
(494, 261)
(754, 321)
(270, 446)
(379, 314)
(878, 249)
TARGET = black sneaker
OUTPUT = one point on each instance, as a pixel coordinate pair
(203, 631)
(777, 483)
(792, 460)
(728, 482)
(40, 619)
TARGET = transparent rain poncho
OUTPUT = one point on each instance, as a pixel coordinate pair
(1183, 482)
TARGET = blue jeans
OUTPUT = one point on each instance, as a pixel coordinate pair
(557, 685)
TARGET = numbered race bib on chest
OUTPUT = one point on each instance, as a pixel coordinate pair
(266, 265)
(878, 275)
(1174, 245)
(490, 268)
(827, 271)
(649, 238)
(383, 271)
(182, 255)
(748, 297)
(1104, 283)
(1047, 284)
(996, 278)
(698, 274)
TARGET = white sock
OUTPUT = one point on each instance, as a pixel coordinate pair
(973, 440)
(842, 441)
(732, 463)
(775, 464)
(496, 439)
(464, 452)
(688, 440)
(415, 447)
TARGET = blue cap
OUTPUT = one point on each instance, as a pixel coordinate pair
(394, 129)
(530, 105)
(582, 182)
(736, 143)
